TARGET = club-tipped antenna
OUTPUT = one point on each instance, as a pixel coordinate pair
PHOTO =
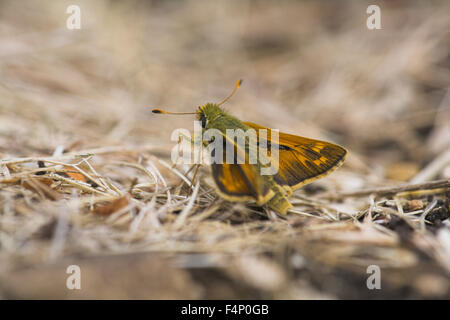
(160, 111)
(238, 84)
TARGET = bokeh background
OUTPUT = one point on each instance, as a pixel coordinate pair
(310, 68)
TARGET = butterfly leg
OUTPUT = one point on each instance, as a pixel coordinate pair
(194, 176)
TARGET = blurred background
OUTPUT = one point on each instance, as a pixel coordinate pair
(310, 68)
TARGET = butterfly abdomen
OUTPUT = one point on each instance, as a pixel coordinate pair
(279, 203)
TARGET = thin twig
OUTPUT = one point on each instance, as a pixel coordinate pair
(184, 214)
(425, 213)
(385, 191)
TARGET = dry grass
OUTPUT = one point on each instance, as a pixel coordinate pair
(79, 104)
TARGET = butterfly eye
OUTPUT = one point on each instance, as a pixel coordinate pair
(203, 120)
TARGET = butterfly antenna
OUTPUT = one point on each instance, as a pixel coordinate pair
(160, 111)
(238, 84)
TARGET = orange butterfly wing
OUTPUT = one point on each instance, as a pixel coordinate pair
(239, 182)
(303, 160)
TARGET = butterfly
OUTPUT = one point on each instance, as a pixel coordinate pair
(300, 160)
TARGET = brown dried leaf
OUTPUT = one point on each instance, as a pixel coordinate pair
(113, 206)
(415, 204)
(75, 175)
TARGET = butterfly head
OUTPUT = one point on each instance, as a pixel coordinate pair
(210, 111)
(207, 113)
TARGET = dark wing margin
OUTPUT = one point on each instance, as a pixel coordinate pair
(303, 160)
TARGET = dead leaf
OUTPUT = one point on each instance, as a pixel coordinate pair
(113, 206)
(75, 175)
(415, 204)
